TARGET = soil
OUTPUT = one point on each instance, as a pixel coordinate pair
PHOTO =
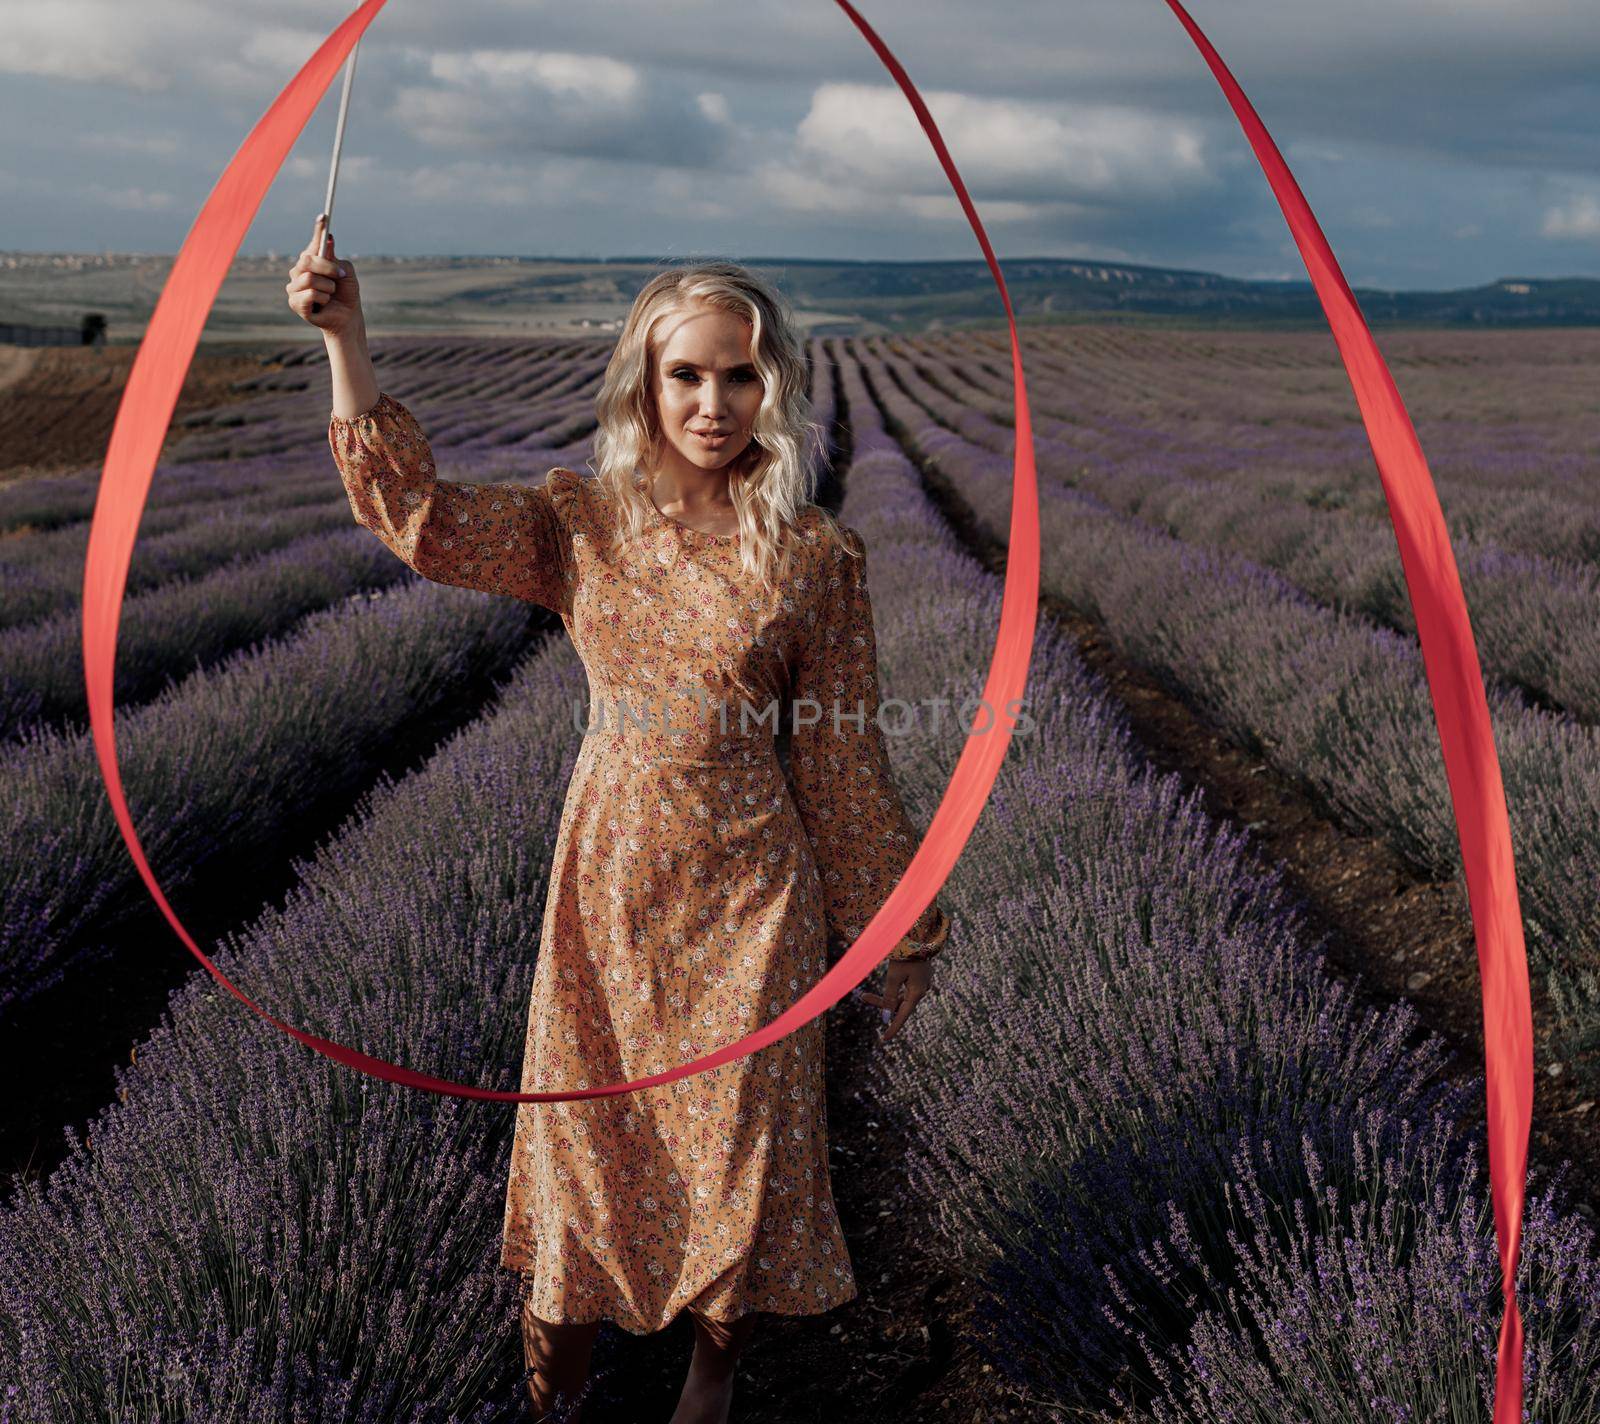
(59, 403)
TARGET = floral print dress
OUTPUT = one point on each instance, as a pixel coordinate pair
(693, 888)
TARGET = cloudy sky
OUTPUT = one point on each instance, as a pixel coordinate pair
(1441, 143)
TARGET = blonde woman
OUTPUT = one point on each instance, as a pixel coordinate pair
(693, 890)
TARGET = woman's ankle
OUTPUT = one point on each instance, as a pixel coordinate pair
(703, 1400)
(553, 1406)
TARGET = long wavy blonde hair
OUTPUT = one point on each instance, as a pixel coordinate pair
(775, 478)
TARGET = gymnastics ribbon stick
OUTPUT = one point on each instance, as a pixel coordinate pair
(1461, 712)
(338, 147)
(154, 381)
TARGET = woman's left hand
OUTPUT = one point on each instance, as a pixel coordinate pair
(905, 982)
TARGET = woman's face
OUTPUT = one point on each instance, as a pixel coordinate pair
(704, 380)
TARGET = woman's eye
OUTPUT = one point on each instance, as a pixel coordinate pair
(742, 376)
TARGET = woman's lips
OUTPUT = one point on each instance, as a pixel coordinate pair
(712, 439)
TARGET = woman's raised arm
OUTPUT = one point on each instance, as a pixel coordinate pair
(508, 539)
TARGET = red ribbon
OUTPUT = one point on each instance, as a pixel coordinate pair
(1455, 684)
(142, 420)
(1449, 654)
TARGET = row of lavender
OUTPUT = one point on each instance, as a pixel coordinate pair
(293, 398)
(214, 484)
(260, 580)
(196, 521)
(520, 396)
(221, 768)
(258, 1233)
(1526, 603)
(221, 569)
(1504, 417)
(1187, 1173)
(1328, 699)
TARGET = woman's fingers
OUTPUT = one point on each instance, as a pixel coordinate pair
(903, 1008)
(316, 247)
(314, 285)
(316, 257)
(907, 1006)
(314, 279)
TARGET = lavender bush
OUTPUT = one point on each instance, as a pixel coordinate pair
(258, 1233)
(188, 535)
(187, 623)
(1385, 1304)
(228, 760)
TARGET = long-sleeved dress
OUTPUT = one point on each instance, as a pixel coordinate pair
(692, 891)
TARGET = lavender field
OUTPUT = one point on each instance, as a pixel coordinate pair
(1277, 605)
(1170, 1167)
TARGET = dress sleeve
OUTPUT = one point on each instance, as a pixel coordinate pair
(499, 538)
(839, 766)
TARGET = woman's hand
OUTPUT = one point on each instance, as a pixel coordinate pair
(905, 981)
(324, 290)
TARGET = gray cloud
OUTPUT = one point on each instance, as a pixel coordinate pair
(1440, 142)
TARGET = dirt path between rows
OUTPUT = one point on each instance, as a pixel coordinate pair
(15, 363)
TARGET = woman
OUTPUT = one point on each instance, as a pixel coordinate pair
(692, 891)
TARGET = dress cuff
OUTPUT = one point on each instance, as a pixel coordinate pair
(367, 414)
(909, 948)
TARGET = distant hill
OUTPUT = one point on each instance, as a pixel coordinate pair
(917, 295)
(549, 296)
